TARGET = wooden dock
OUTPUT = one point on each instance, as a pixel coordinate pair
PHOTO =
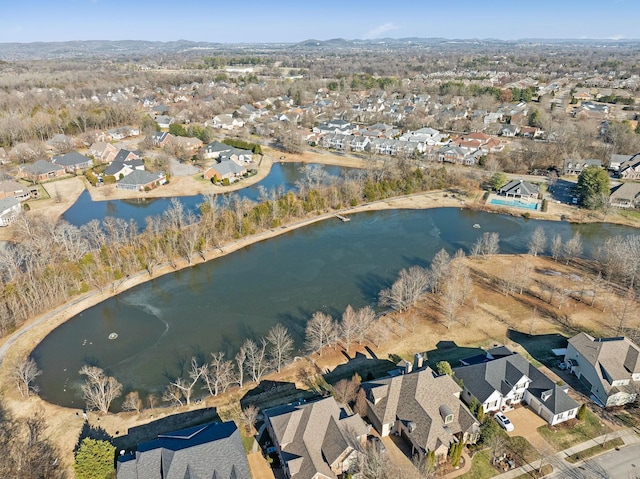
(343, 218)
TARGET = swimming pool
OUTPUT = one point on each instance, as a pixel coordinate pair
(515, 203)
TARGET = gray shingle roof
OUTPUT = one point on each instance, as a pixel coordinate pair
(139, 177)
(312, 436)
(519, 187)
(619, 357)
(71, 159)
(419, 397)
(8, 202)
(201, 452)
(228, 166)
(42, 167)
(501, 373)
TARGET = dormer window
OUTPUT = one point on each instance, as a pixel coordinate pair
(446, 413)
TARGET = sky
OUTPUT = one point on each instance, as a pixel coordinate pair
(268, 21)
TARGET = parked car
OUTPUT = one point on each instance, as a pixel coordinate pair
(504, 421)
(376, 443)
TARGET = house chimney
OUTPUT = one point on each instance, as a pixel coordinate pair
(417, 361)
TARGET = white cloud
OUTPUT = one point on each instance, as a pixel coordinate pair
(380, 30)
(617, 37)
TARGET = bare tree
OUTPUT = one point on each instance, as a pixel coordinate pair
(365, 318)
(624, 309)
(241, 357)
(320, 332)
(249, 418)
(345, 390)
(538, 241)
(132, 402)
(186, 387)
(486, 245)
(349, 326)
(24, 372)
(406, 290)
(256, 364)
(173, 393)
(573, 247)
(218, 375)
(280, 346)
(556, 247)
(438, 267)
(99, 390)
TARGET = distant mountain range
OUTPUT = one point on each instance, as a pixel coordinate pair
(128, 48)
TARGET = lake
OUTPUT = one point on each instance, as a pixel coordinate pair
(85, 209)
(215, 306)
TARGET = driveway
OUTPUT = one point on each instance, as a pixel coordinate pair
(398, 453)
(260, 468)
(182, 169)
(526, 424)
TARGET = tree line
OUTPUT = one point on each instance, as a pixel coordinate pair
(56, 261)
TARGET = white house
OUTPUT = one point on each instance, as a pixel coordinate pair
(10, 208)
(500, 379)
(608, 367)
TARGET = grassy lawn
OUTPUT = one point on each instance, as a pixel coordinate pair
(539, 346)
(247, 442)
(452, 354)
(545, 471)
(366, 368)
(524, 449)
(566, 435)
(480, 466)
(595, 450)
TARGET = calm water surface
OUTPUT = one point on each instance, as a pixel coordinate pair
(85, 209)
(215, 306)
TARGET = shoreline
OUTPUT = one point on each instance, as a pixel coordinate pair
(45, 323)
(48, 321)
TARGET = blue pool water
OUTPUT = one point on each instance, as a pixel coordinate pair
(515, 203)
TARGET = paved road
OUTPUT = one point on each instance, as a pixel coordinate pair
(624, 463)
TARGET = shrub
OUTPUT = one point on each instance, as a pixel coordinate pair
(485, 197)
(582, 412)
(544, 205)
(109, 180)
(94, 459)
(226, 182)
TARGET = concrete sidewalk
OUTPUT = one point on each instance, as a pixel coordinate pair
(627, 435)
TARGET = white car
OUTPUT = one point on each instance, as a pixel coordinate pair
(504, 421)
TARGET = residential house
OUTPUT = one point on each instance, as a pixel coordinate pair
(161, 138)
(103, 152)
(575, 167)
(127, 155)
(140, 180)
(617, 161)
(60, 142)
(10, 208)
(501, 379)
(13, 189)
(41, 170)
(215, 149)
(626, 195)
(225, 122)
(186, 143)
(212, 450)
(592, 110)
(124, 132)
(121, 168)
(520, 189)
(456, 154)
(73, 161)
(225, 169)
(359, 143)
(532, 132)
(315, 440)
(164, 121)
(334, 126)
(510, 130)
(422, 408)
(608, 367)
(630, 169)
